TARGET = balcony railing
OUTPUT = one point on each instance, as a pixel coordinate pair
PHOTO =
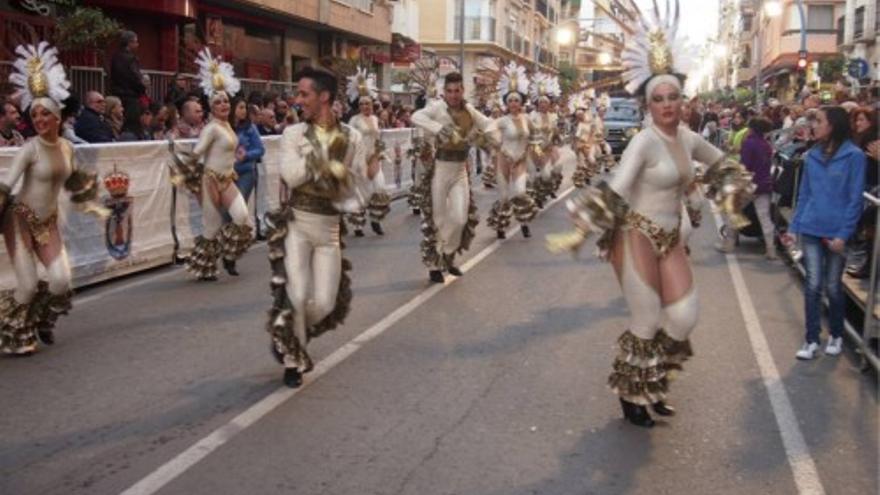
(476, 28)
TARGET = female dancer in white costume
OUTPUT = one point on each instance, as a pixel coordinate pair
(362, 87)
(545, 152)
(514, 134)
(639, 212)
(583, 142)
(213, 183)
(44, 165)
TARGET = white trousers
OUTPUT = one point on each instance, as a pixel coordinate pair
(313, 260)
(450, 193)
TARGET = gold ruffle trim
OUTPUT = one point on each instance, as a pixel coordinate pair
(379, 206)
(524, 208)
(19, 323)
(235, 240)
(639, 370)
(202, 261)
(499, 216)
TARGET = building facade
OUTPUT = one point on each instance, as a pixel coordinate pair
(781, 39)
(858, 33)
(519, 30)
(265, 40)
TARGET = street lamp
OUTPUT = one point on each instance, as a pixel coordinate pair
(604, 58)
(769, 9)
(564, 36)
(721, 50)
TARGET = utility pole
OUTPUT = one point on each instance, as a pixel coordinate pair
(461, 36)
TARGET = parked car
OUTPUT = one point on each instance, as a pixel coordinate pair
(623, 120)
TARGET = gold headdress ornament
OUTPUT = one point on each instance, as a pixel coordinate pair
(361, 84)
(216, 75)
(651, 46)
(37, 73)
(544, 85)
(513, 79)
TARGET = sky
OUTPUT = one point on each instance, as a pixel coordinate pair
(699, 18)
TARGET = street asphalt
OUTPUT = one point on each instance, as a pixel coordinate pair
(495, 385)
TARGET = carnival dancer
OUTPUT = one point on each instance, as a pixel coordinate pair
(514, 133)
(582, 143)
(311, 288)
(362, 88)
(545, 153)
(212, 181)
(605, 156)
(44, 165)
(639, 213)
(449, 214)
(490, 170)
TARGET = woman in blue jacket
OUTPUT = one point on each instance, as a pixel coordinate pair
(250, 150)
(829, 204)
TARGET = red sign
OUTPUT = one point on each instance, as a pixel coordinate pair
(405, 52)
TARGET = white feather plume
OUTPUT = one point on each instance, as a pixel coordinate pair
(544, 85)
(513, 78)
(35, 63)
(361, 84)
(583, 99)
(216, 75)
(639, 47)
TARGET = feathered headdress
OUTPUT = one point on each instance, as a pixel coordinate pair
(544, 85)
(216, 75)
(361, 84)
(583, 99)
(38, 74)
(426, 76)
(513, 78)
(651, 46)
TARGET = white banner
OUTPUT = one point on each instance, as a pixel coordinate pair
(148, 214)
(138, 233)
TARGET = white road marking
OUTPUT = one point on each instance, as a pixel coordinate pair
(156, 480)
(803, 468)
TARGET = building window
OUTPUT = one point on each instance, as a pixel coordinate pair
(859, 23)
(747, 22)
(479, 20)
(841, 25)
(365, 5)
(877, 18)
(820, 17)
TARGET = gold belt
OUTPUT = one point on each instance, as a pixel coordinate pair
(663, 240)
(312, 204)
(40, 229)
(222, 179)
(452, 155)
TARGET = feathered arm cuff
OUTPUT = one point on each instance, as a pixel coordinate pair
(598, 209)
(729, 184)
(83, 189)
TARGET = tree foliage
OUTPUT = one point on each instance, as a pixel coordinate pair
(86, 28)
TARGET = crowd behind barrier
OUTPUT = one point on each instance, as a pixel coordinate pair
(151, 220)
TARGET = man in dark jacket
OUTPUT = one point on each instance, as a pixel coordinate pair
(91, 125)
(126, 80)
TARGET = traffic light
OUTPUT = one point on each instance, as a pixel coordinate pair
(802, 60)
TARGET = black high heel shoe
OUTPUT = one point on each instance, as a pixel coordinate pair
(636, 414)
(229, 266)
(377, 228)
(292, 377)
(663, 409)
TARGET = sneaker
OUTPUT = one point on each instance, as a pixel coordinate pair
(835, 346)
(808, 351)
